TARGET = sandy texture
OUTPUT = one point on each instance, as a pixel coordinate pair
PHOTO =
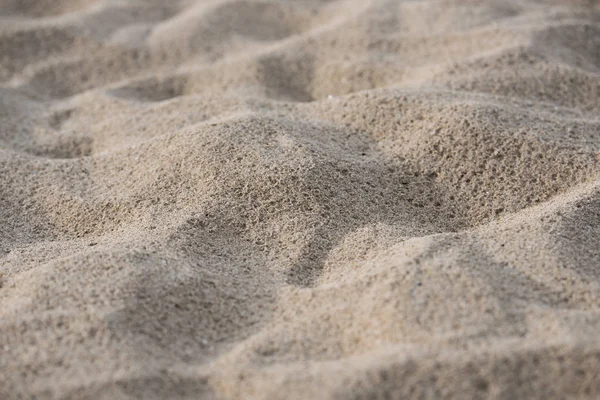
(299, 199)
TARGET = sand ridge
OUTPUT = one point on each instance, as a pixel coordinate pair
(252, 199)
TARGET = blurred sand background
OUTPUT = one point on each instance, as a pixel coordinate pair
(312, 199)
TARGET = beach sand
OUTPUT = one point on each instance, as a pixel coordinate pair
(294, 199)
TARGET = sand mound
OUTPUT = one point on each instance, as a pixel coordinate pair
(299, 199)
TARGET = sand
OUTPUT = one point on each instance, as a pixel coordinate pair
(270, 199)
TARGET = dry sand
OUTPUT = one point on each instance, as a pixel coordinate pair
(299, 199)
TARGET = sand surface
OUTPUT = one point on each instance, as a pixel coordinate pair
(294, 199)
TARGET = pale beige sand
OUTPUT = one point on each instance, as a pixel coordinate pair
(299, 199)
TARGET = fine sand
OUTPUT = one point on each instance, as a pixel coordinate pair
(299, 199)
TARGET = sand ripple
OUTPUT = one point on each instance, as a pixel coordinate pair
(299, 199)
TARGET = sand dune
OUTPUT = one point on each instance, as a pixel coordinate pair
(270, 199)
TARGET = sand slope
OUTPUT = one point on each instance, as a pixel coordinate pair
(294, 199)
